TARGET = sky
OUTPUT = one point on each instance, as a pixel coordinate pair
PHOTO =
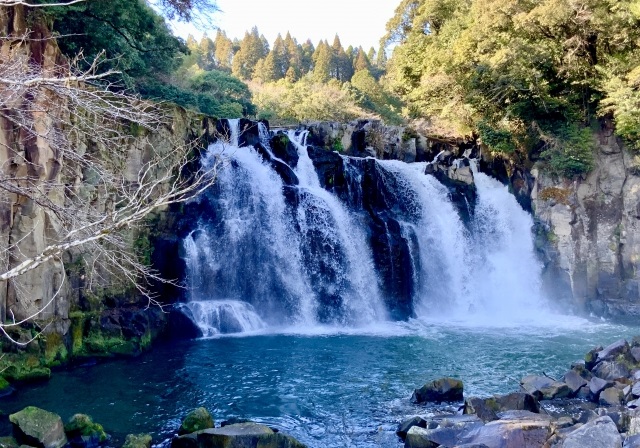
(357, 22)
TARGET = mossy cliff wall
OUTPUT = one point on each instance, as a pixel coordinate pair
(85, 319)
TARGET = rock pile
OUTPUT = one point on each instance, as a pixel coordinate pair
(596, 405)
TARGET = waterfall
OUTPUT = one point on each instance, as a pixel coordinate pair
(338, 256)
(381, 240)
(440, 265)
(507, 269)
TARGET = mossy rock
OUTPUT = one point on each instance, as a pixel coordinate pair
(4, 385)
(27, 374)
(137, 441)
(38, 428)
(83, 431)
(196, 420)
(8, 442)
(55, 350)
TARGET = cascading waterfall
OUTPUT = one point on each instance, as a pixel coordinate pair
(339, 259)
(441, 272)
(507, 271)
(388, 241)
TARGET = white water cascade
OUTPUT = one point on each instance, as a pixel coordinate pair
(440, 264)
(353, 282)
(385, 240)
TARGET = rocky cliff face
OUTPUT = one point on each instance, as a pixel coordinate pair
(86, 318)
(593, 228)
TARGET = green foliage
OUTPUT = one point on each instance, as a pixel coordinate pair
(569, 150)
(136, 40)
(499, 68)
(500, 140)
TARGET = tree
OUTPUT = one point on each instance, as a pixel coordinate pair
(70, 188)
(252, 49)
(323, 62)
(224, 51)
(207, 53)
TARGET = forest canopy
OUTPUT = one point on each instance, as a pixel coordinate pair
(529, 76)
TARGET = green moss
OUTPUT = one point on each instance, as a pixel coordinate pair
(8, 442)
(98, 345)
(23, 368)
(4, 384)
(337, 145)
(55, 350)
(83, 425)
(137, 441)
(142, 246)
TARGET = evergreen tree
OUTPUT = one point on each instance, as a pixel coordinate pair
(207, 50)
(361, 62)
(381, 59)
(323, 62)
(224, 51)
(340, 66)
(280, 57)
(252, 49)
(306, 57)
(371, 55)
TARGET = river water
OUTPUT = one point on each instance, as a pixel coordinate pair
(326, 388)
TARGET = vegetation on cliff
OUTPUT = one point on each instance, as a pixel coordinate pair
(525, 76)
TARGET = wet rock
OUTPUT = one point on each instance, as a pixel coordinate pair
(610, 352)
(406, 425)
(632, 442)
(635, 389)
(137, 441)
(575, 381)
(520, 429)
(596, 385)
(38, 428)
(544, 388)
(635, 353)
(443, 389)
(447, 431)
(598, 433)
(487, 408)
(591, 358)
(196, 420)
(583, 393)
(240, 435)
(610, 370)
(611, 396)
(83, 432)
(8, 442)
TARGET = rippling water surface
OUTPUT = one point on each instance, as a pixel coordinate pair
(325, 387)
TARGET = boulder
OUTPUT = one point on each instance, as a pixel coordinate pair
(598, 433)
(38, 428)
(544, 388)
(635, 389)
(597, 385)
(574, 380)
(610, 370)
(83, 432)
(519, 429)
(591, 358)
(445, 431)
(611, 396)
(635, 353)
(487, 408)
(239, 435)
(137, 441)
(444, 389)
(196, 420)
(610, 352)
(406, 425)
(632, 442)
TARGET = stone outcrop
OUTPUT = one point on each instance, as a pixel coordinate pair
(593, 227)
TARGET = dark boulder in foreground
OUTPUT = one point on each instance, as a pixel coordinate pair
(239, 435)
(444, 389)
